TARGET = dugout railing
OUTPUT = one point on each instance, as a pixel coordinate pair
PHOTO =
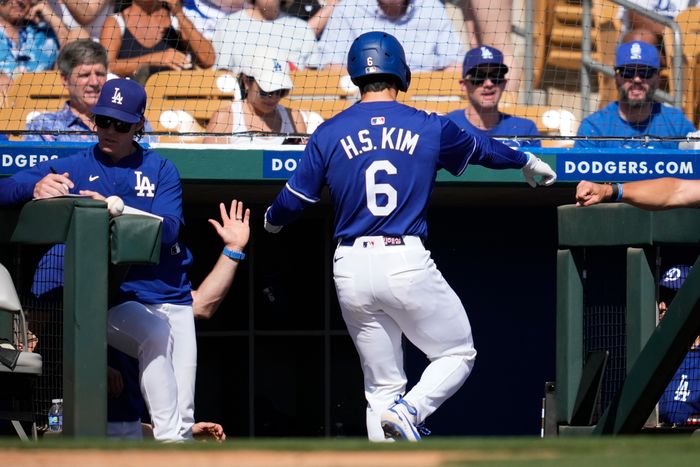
(97, 248)
(630, 243)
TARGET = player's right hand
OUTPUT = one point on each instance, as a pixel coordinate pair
(270, 227)
(53, 185)
(535, 167)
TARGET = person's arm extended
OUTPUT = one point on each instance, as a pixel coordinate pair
(234, 231)
(657, 194)
(202, 49)
(41, 11)
(85, 11)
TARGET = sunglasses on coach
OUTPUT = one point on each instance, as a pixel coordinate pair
(629, 72)
(105, 122)
(477, 79)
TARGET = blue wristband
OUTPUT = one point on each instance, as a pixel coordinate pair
(235, 255)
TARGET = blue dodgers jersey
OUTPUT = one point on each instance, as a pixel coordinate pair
(681, 397)
(145, 181)
(508, 126)
(379, 160)
(664, 121)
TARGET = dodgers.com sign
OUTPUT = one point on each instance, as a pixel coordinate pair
(623, 166)
(280, 164)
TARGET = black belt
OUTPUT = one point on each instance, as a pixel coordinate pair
(389, 240)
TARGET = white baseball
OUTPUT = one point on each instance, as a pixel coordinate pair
(115, 206)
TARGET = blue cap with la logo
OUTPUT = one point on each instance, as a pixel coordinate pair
(122, 99)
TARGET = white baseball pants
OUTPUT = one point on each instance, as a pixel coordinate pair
(385, 291)
(162, 338)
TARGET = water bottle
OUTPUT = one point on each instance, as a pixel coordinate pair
(56, 416)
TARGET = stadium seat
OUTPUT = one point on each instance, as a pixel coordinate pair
(689, 23)
(550, 121)
(558, 35)
(175, 95)
(16, 382)
(322, 85)
(326, 108)
(31, 94)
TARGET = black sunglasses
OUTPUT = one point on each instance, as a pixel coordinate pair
(629, 72)
(278, 93)
(480, 78)
(119, 125)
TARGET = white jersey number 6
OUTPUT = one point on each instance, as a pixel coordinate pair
(373, 189)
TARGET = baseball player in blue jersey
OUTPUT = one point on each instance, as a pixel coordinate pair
(680, 401)
(379, 159)
(153, 320)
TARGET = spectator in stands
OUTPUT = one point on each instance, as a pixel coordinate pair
(492, 25)
(423, 27)
(263, 80)
(30, 36)
(150, 36)
(681, 400)
(484, 82)
(632, 21)
(262, 23)
(83, 68)
(315, 13)
(635, 114)
(204, 14)
(84, 17)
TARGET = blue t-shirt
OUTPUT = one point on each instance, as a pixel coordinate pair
(682, 395)
(36, 51)
(664, 121)
(508, 126)
(379, 160)
(145, 181)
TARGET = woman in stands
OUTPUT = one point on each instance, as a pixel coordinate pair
(153, 35)
(264, 80)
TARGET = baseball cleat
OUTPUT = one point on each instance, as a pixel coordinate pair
(397, 421)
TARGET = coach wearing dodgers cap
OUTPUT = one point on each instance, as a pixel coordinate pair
(635, 114)
(152, 320)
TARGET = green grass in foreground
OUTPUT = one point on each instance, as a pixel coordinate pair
(637, 451)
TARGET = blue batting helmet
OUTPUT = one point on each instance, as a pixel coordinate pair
(378, 53)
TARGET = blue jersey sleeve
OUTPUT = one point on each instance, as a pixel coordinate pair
(19, 188)
(168, 202)
(460, 148)
(303, 189)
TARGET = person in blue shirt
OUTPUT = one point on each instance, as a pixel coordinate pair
(30, 36)
(484, 81)
(379, 159)
(150, 295)
(635, 114)
(680, 401)
(83, 68)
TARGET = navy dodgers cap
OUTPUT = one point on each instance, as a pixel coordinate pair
(122, 99)
(674, 277)
(480, 56)
(637, 53)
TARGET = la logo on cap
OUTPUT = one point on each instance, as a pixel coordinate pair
(636, 52)
(276, 66)
(486, 54)
(117, 97)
